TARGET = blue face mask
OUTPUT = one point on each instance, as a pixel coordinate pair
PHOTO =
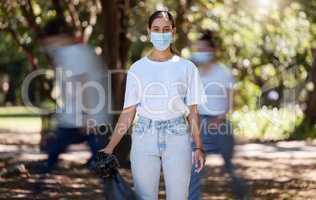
(161, 41)
(202, 57)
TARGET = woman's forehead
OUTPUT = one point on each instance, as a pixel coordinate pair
(161, 22)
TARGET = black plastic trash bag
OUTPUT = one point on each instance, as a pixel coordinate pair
(115, 187)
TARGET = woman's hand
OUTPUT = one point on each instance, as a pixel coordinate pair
(107, 150)
(198, 159)
(124, 122)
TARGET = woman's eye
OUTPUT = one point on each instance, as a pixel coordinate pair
(167, 30)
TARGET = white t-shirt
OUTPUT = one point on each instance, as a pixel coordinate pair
(216, 83)
(82, 82)
(163, 90)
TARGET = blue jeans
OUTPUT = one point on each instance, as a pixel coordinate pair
(165, 143)
(68, 136)
(216, 140)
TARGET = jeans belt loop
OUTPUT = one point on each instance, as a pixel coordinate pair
(149, 123)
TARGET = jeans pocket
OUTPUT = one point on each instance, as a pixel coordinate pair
(138, 128)
(179, 129)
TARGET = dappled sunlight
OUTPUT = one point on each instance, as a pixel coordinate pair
(272, 170)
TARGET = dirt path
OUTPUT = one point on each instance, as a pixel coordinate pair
(283, 170)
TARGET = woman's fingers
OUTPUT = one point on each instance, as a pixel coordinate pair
(198, 161)
(201, 163)
(107, 150)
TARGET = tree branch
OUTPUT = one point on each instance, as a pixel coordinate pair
(74, 16)
(93, 10)
(181, 23)
(28, 14)
(26, 49)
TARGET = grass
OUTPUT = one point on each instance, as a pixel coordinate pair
(18, 119)
(262, 124)
(19, 110)
(20, 124)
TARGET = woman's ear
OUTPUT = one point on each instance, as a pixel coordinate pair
(174, 30)
(148, 32)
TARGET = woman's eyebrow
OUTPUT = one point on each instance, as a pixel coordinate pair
(162, 27)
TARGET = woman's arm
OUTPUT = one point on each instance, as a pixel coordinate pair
(124, 122)
(194, 122)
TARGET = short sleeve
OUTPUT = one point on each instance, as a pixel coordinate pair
(195, 91)
(227, 76)
(230, 81)
(132, 90)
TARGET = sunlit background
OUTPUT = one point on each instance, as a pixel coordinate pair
(267, 43)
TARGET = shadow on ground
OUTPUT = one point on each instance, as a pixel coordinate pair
(284, 170)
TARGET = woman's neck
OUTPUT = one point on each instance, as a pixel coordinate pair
(161, 55)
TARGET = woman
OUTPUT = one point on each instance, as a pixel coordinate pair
(165, 90)
(216, 130)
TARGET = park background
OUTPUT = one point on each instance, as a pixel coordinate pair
(268, 44)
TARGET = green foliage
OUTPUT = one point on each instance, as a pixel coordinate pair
(266, 47)
(266, 124)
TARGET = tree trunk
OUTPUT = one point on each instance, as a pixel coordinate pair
(303, 130)
(310, 114)
(182, 26)
(111, 47)
(115, 53)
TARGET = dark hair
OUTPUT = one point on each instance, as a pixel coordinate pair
(167, 15)
(209, 37)
(161, 14)
(55, 26)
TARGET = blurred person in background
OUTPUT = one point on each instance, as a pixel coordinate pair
(216, 130)
(81, 79)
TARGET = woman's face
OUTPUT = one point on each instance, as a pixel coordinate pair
(161, 25)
